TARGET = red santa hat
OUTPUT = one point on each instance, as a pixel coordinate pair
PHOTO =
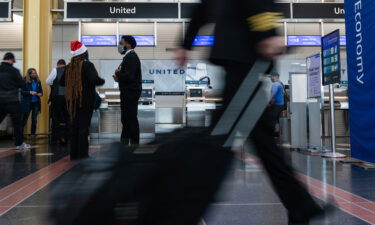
(77, 48)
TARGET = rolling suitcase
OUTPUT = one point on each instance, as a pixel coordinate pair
(171, 181)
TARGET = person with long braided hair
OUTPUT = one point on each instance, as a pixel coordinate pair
(80, 79)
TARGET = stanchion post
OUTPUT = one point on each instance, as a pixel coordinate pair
(333, 154)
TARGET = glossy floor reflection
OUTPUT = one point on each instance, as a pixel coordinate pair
(28, 177)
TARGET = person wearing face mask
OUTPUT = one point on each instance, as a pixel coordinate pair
(57, 101)
(80, 79)
(31, 94)
(11, 82)
(129, 77)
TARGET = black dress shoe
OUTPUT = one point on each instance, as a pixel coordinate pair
(322, 212)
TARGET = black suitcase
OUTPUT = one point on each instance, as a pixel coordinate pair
(171, 181)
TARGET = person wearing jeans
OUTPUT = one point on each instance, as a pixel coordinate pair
(31, 94)
(11, 82)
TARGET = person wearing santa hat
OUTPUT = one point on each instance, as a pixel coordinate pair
(80, 79)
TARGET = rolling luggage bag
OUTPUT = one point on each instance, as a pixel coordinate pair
(171, 181)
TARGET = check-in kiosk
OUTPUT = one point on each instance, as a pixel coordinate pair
(106, 122)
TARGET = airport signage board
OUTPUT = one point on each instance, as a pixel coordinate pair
(99, 40)
(360, 20)
(284, 8)
(5, 11)
(88, 10)
(318, 11)
(331, 68)
(187, 9)
(75, 10)
(204, 40)
(144, 40)
(304, 40)
(314, 83)
(309, 40)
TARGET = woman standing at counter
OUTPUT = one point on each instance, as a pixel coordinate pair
(31, 98)
(80, 79)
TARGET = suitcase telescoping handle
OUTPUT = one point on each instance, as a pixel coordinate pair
(246, 107)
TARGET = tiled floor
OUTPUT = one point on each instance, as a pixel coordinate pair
(27, 179)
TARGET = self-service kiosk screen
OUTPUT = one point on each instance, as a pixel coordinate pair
(196, 93)
(146, 93)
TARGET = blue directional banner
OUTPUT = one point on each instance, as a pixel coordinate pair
(360, 25)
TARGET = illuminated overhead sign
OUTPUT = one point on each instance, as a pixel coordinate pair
(99, 40)
(204, 40)
(318, 11)
(310, 40)
(144, 40)
(120, 10)
(117, 10)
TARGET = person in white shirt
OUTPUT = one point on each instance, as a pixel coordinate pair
(57, 101)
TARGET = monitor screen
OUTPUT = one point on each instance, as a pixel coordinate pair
(204, 40)
(304, 40)
(196, 93)
(331, 58)
(99, 40)
(144, 40)
(146, 93)
(310, 40)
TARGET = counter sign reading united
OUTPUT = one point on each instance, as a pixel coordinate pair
(120, 10)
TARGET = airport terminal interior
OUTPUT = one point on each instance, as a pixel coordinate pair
(314, 130)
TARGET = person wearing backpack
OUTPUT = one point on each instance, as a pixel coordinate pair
(59, 113)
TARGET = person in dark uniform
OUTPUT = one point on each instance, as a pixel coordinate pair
(59, 113)
(129, 77)
(245, 31)
(80, 79)
(11, 83)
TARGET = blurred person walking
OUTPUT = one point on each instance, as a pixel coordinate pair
(129, 77)
(80, 79)
(59, 113)
(245, 30)
(11, 83)
(31, 103)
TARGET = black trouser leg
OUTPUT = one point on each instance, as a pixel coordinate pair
(125, 136)
(292, 193)
(34, 116)
(129, 115)
(274, 115)
(15, 111)
(80, 133)
(60, 118)
(25, 117)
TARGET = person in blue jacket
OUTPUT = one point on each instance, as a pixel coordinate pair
(31, 94)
